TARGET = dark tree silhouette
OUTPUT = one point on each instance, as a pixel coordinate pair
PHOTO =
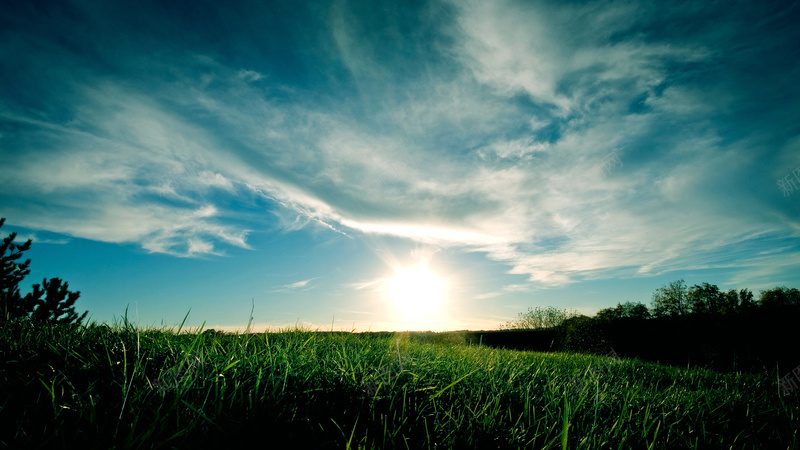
(57, 304)
(671, 300)
(779, 296)
(581, 333)
(609, 314)
(746, 303)
(705, 299)
(12, 272)
(730, 302)
(635, 310)
(49, 302)
(627, 310)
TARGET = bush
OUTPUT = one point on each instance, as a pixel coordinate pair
(49, 302)
(581, 334)
(534, 318)
(11, 274)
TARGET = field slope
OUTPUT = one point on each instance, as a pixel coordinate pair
(121, 387)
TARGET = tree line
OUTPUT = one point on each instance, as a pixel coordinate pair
(700, 325)
(672, 300)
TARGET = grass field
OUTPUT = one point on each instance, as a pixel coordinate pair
(121, 387)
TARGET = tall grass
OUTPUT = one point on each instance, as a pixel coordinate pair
(97, 386)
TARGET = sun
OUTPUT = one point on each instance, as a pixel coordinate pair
(416, 292)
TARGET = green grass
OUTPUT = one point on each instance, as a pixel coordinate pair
(122, 387)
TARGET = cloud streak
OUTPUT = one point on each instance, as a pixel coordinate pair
(484, 126)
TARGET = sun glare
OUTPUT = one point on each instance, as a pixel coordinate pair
(417, 293)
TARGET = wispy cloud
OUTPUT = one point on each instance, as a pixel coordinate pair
(21, 238)
(294, 286)
(299, 284)
(487, 134)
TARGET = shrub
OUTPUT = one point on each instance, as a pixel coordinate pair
(534, 318)
(49, 302)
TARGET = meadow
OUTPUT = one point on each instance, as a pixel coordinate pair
(121, 386)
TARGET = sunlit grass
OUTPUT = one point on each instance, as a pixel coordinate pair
(106, 387)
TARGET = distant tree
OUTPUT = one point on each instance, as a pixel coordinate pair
(746, 303)
(49, 302)
(609, 314)
(671, 300)
(779, 296)
(635, 310)
(538, 317)
(730, 302)
(704, 299)
(627, 310)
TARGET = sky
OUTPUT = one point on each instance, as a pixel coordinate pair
(424, 165)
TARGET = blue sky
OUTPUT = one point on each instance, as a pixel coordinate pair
(297, 157)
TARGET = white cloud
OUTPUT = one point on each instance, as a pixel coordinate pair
(518, 148)
(249, 75)
(294, 286)
(21, 238)
(499, 150)
(299, 284)
(99, 172)
(512, 49)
